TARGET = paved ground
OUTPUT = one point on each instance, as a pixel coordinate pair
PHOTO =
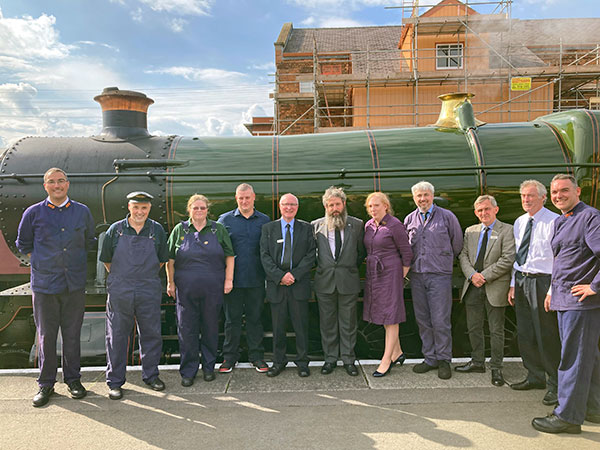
(247, 410)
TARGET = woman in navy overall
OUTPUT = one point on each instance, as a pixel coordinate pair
(199, 273)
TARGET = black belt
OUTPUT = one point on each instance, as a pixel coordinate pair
(533, 275)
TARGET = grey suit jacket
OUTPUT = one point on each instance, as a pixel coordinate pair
(497, 263)
(341, 274)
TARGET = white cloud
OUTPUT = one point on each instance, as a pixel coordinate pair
(214, 76)
(254, 111)
(16, 98)
(137, 15)
(339, 5)
(544, 3)
(97, 44)
(181, 7)
(29, 38)
(177, 24)
(264, 66)
(339, 22)
(309, 21)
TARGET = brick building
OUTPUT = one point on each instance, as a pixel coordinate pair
(391, 76)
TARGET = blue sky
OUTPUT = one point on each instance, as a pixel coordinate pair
(206, 63)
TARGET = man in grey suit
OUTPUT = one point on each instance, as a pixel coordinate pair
(340, 251)
(486, 261)
(287, 253)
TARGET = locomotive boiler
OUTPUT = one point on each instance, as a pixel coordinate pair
(461, 156)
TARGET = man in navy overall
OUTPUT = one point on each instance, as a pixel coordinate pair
(247, 297)
(574, 294)
(133, 252)
(57, 233)
(436, 240)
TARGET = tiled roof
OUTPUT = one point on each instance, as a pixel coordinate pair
(381, 41)
(343, 39)
(551, 31)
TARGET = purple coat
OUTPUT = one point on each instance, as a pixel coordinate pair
(434, 243)
(387, 251)
(576, 248)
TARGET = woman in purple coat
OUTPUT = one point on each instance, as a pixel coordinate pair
(388, 260)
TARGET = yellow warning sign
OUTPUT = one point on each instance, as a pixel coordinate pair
(520, 84)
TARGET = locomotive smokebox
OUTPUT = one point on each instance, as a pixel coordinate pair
(124, 113)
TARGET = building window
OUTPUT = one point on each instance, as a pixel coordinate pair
(448, 56)
(307, 86)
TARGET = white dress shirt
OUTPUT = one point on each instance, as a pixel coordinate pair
(539, 256)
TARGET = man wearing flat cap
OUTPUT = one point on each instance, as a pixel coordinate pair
(133, 252)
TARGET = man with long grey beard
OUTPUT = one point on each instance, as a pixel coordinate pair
(340, 251)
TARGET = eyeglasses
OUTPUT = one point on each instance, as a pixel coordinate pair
(201, 208)
(289, 204)
(59, 181)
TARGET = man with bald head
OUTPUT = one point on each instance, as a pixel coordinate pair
(287, 253)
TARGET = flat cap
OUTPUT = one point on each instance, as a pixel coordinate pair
(139, 197)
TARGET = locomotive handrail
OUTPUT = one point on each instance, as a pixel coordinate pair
(340, 172)
(128, 163)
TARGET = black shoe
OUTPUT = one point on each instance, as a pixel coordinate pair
(227, 366)
(187, 382)
(423, 368)
(156, 384)
(444, 370)
(327, 368)
(208, 376)
(527, 385)
(497, 378)
(351, 369)
(260, 366)
(552, 424)
(400, 359)
(594, 418)
(303, 371)
(550, 399)
(378, 374)
(275, 370)
(470, 367)
(115, 393)
(43, 396)
(76, 389)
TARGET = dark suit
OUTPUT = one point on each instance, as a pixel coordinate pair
(337, 285)
(295, 297)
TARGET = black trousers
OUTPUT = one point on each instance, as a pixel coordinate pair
(298, 314)
(539, 342)
(240, 301)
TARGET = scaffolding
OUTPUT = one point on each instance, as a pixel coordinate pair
(326, 90)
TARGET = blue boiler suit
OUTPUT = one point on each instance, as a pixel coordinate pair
(576, 248)
(134, 292)
(199, 278)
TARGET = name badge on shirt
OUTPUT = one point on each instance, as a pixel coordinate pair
(493, 237)
(280, 241)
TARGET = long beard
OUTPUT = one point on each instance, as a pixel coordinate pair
(336, 222)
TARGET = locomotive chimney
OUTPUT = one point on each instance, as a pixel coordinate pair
(457, 111)
(124, 113)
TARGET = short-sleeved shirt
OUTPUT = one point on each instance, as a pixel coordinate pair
(245, 237)
(112, 238)
(58, 238)
(178, 234)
